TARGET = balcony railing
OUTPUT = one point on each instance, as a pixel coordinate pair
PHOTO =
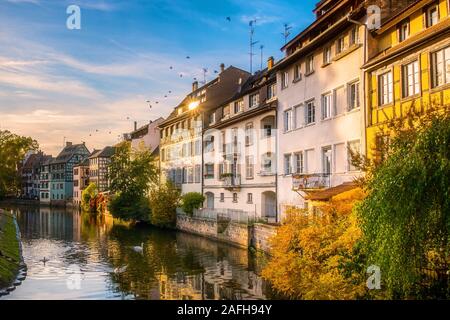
(231, 181)
(231, 149)
(311, 181)
(239, 216)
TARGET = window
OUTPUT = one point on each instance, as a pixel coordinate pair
(340, 45)
(385, 95)
(271, 91)
(284, 80)
(354, 36)
(238, 106)
(410, 79)
(298, 163)
(432, 16)
(403, 31)
(267, 132)
(268, 160)
(222, 197)
(198, 147)
(287, 164)
(327, 55)
(212, 118)
(254, 100)
(297, 72)
(209, 171)
(353, 148)
(440, 67)
(309, 65)
(299, 115)
(226, 111)
(310, 112)
(209, 144)
(326, 105)
(326, 160)
(190, 175)
(249, 167)
(249, 134)
(249, 197)
(288, 120)
(235, 197)
(75, 172)
(353, 95)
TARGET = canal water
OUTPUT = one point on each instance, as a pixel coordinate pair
(72, 255)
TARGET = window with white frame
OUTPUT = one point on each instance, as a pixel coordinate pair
(238, 106)
(297, 72)
(385, 88)
(249, 167)
(212, 118)
(226, 111)
(284, 80)
(340, 45)
(403, 31)
(209, 144)
(249, 134)
(432, 15)
(410, 79)
(267, 163)
(326, 160)
(197, 173)
(298, 163)
(354, 36)
(299, 117)
(309, 65)
(288, 120)
(353, 95)
(440, 67)
(287, 164)
(327, 55)
(310, 112)
(271, 91)
(254, 100)
(326, 105)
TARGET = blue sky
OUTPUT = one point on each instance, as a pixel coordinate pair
(56, 82)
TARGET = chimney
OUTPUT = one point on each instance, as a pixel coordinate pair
(68, 144)
(222, 67)
(135, 125)
(270, 63)
(194, 86)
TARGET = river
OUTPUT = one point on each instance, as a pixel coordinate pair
(95, 258)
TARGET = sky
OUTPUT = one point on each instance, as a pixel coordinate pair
(90, 85)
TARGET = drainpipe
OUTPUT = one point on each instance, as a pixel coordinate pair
(276, 174)
(364, 82)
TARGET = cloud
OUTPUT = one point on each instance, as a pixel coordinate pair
(24, 1)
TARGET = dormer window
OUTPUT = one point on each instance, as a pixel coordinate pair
(297, 72)
(340, 45)
(432, 16)
(403, 31)
(354, 36)
(254, 100)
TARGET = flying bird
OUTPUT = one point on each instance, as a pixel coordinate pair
(181, 75)
(229, 19)
(170, 67)
(188, 57)
(170, 91)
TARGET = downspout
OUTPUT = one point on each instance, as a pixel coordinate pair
(364, 81)
(276, 175)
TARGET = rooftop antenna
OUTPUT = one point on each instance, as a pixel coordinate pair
(287, 32)
(64, 142)
(252, 24)
(262, 49)
(205, 71)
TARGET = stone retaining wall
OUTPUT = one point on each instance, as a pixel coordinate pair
(261, 235)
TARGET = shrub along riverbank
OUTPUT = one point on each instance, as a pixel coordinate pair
(9, 250)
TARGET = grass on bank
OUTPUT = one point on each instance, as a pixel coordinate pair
(9, 250)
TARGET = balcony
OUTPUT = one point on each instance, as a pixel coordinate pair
(231, 150)
(312, 181)
(231, 181)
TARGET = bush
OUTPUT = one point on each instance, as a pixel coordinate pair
(191, 201)
(129, 208)
(164, 201)
(88, 197)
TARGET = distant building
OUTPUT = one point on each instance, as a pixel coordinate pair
(30, 175)
(146, 136)
(61, 172)
(45, 178)
(98, 168)
(80, 180)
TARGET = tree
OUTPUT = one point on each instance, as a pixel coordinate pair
(310, 253)
(12, 151)
(89, 194)
(132, 173)
(164, 201)
(191, 201)
(406, 215)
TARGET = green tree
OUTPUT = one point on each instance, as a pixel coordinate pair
(191, 201)
(12, 151)
(164, 201)
(89, 194)
(132, 173)
(405, 217)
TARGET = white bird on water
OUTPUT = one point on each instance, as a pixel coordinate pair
(139, 249)
(120, 270)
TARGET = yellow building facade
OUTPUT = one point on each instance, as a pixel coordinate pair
(408, 66)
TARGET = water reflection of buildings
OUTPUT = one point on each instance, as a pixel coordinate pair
(45, 222)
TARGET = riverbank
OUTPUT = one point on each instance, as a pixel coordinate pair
(10, 251)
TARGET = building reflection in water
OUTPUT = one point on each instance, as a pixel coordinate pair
(173, 266)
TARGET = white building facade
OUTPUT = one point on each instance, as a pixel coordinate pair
(320, 105)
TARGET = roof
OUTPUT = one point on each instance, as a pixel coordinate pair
(83, 163)
(218, 91)
(327, 194)
(69, 151)
(106, 152)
